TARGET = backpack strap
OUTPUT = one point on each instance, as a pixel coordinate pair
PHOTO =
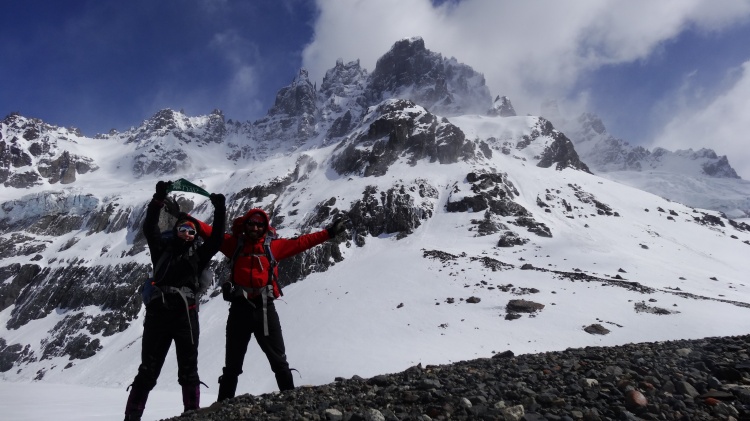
(266, 291)
(272, 276)
(184, 293)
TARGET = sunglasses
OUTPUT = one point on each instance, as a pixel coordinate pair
(255, 224)
(186, 229)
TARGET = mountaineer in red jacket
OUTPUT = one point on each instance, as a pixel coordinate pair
(254, 250)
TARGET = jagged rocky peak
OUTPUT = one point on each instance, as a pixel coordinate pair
(167, 122)
(711, 164)
(297, 99)
(720, 168)
(293, 116)
(502, 107)
(161, 140)
(35, 128)
(561, 152)
(32, 151)
(341, 97)
(604, 152)
(444, 86)
(342, 78)
(591, 122)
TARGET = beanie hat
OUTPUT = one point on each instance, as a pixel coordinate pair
(188, 223)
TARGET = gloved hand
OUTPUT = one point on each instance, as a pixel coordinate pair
(172, 207)
(338, 225)
(218, 200)
(161, 189)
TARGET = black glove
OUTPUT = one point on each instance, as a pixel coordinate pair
(172, 207)
(161, 189)
(218, 200)
(337, 226)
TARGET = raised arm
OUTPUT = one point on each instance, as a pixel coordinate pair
(151, 222)
(215, 233)
(228, 243)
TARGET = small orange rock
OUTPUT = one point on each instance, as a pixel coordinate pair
(711, 401)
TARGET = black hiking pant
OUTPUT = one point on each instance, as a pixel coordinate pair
(245, 319)
(166, 323)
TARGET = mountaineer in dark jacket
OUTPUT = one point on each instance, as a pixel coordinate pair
(172, 309)
(252, 290)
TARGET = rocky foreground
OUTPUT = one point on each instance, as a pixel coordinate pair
(705, 379)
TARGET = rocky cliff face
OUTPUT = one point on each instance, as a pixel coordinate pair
(697, 178)
(160, 141)
(502, 107)
(400, 129)
(603, 152)
(33, 153)
(293, 118)
(342, 98)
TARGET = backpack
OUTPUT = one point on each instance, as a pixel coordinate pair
(273, 272)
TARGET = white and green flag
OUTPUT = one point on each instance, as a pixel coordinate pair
(186, 186)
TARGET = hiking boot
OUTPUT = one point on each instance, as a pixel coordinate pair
(136, 403)
(227, 387)
(191, 397)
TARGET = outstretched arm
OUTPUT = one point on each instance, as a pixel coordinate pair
(287, 247)
(284, 248)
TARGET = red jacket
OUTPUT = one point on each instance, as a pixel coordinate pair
(251, 266)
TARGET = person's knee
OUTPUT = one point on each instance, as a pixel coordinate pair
(146, 378)
(231, 372)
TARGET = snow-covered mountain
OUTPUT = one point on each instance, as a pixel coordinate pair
(474, 230)
(696, 178)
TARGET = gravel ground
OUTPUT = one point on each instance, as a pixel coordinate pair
(705, 379)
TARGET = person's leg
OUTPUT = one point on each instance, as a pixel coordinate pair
(154, 347)
(239, 332)
(273, 346)
(186, 347)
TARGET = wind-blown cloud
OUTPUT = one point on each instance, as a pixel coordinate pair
(529, 51)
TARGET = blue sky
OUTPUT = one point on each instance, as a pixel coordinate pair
(673, 73)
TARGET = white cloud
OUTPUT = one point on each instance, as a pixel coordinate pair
(529, 51)
(722, 124)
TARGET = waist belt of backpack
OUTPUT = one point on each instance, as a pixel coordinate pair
(184, 293)
(265, 292)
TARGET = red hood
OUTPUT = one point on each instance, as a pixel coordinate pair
(238, 225)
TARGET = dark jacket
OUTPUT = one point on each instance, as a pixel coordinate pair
(185, 261)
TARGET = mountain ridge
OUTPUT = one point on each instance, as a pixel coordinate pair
(445, 210)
